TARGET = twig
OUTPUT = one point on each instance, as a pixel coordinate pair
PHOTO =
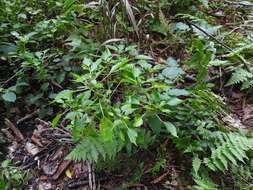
(11, 78)
(160, 178)
(9, 136)
(245, 63)
(42, 122)
(136, 185)
(243, 4)
(61, 168)
(27, 117)
(56, 84)
(115, 89)
(36, 141)
(31, 161)
(114, 40)
(93, 178)
(90, 175)
(77, 184)
(14, 129)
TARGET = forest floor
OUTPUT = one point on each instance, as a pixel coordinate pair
(36, 136)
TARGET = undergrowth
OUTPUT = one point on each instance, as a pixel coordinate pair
(78, 61)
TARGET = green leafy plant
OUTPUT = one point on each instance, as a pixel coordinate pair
(114, 99)
(113, 102)
(242, 176)
(11, 177)
(229, 148)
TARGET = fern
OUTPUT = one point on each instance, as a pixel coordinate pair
(93, 148)
(243, 176)
(204, 183)
(247, 84)
(228, 148)
(163, 20)
(239, 76)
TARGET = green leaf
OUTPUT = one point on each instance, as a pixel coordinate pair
(132, 134)
(138, 121)
(178, 92)
(106, 129)
(7, 48)
(56, 120)
(172, 72)
(180, 26)
(64, 95)
(205, 2)
(155, 123)
(5, 163)
(9, 97)
(119, 65)
(143, 57)
(127, 109)
(174, 101)
(73, 115)
(196, 162)
(87, 62)
(77, 132)
(171, 62)
(171, 128)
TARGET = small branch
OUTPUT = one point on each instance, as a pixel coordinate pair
(90, 175)
(9, 136)
(14, 129)
(245, 63)
(27, 117)
(243, 4)
(10, 79)
(160, 178)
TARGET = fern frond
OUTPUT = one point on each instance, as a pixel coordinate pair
(204, 183)
(239, 76)
(247, 84)
(229, 148)
(92, 148)
(163, 20)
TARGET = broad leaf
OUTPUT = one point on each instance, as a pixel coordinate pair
(9, 97)
(106, 129)
(132, 134)
(171, 128)
(155, 123)
(172, 72)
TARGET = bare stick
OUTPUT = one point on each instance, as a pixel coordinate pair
(14, 129)
(9, 136)
(245, 63)
(27, 116)
(90, 175)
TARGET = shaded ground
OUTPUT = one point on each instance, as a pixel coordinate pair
(42, 149)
